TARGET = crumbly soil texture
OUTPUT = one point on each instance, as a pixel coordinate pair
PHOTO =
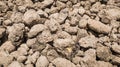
(59, 33)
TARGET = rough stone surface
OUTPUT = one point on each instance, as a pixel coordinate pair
(30, 16)
(61, 62)
(15, 64)
(36, 29)
(98, 27)
(104, 53)
(42, 62)
(59, 33)
(89, 41)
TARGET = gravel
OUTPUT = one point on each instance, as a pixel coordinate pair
(60, 33)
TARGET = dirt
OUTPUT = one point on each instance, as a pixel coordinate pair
(59, 33)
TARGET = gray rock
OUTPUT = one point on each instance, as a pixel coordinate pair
(52, 54)
(83, 23)
(52, 24)
(104, 53)
(61, 44)
(31, 42)
(36, 29)
(81, 33)
(14, 35)
(81, 10)
(42, 62)
(30, 16)
(15, 64)
(46, 3)
(5, 45)
(63, 0)
(71, 30)
(5, 59)
(16, 17)
(76, 60)
(45, 37)
(63, 35)
(29, 65)
(104, 64)
(64, 46)
(99, 27)
(33, 57)
(21, 58)
(115, 59)
(88, 41)
(61, 62)
(4, 6)
(2, 32)
(91, 53)
(116, 48)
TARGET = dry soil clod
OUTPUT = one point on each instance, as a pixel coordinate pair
(59, 33)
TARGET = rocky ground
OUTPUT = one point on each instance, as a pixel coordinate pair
(59, 33)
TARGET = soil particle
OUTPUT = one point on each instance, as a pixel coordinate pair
(104, 53)
(30, 16)
(61, 62)
(99, 27)
(60, 33)
(15, 64)
(42, 61)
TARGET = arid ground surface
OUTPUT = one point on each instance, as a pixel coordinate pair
(59, 33)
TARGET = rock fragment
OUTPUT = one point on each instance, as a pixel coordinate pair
(71, 30)
(31, 42)
(104, 53)
(104, 64)
(46, 3)
(7, 46)
(14, 35)
(96, 7)
(42, 62)
(2, 32)
(59, 33)
(59, 17)
(30, 16)
(3, 6)
(15, 64)
(81, 33)
(115, 59)
(21, 51)
(61, 62)
(88, 41)
(21, 59)
(91, 53)
(63, 35)
(52, 54)
(7, 22)
(53, 25)
(16, 17)
(33, 57)
(113, 13)
(63, 0)
(36, 29)
(98, 27)
(81, 10)
(116, 48)
(76, 60)
(5, 59)
(42, 13)
(62, 43)
(29, 65)
(64, 46)
(83, 23)
(45, 37)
